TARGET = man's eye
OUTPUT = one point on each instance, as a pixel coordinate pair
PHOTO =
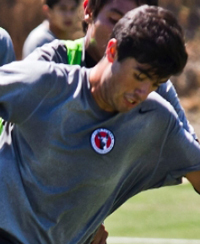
(139, 77)
(113, 21)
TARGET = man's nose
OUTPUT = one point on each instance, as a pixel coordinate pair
(144, 89)
(69, 13)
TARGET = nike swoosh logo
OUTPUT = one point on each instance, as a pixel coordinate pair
(143, 110)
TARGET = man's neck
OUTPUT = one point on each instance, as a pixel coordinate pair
(97, 79)
(90, 46)
(63, 35)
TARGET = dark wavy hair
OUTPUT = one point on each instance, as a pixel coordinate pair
(97, 5)
(152, 35)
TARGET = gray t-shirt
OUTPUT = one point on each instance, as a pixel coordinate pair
(37, 38)
(57, 51)
(66, 165)
(7, 53)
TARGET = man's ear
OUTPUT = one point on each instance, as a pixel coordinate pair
(46, 10)
(87, 12)
(85, 4)
(111, 50)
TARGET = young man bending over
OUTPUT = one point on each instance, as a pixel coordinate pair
(79, 142)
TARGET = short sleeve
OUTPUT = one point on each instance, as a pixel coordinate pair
(180, 154)
(23, 87)
(168, 92)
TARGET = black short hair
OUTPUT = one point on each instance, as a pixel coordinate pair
(97, 5)
(51, 3)
(152, 35)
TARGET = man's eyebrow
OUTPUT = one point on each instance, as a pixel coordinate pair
(144, 71)
(116, 11)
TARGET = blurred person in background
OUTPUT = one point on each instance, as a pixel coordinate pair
(61, 18)
(99, 20)
(7, 53)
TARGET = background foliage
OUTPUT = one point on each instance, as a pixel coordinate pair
(169, 212)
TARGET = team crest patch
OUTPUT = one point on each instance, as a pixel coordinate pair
(102, 141)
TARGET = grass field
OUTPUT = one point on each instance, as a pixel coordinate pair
(169, 212)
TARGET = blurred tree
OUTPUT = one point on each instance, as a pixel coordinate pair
(188, 83)
(18, 17)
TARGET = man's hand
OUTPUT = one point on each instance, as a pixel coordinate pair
(100, 236)
(194, 179)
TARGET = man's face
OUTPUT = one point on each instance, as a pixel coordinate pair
(101, 27)
(62, 15)
(128, 85)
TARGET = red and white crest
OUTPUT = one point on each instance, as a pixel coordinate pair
(102, 141)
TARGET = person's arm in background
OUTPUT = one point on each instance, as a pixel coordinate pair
(100, 236)
(7, 53)
(54, 51)
(168, 92)
(194, 179)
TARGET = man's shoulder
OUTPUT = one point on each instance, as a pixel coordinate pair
(156, 102)
(39, 37)
(40, 29)
(44, 67)
(57, 46)
(61, 51)
(70, 72)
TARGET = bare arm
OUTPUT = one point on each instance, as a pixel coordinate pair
(194, 179)
(100, 236)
